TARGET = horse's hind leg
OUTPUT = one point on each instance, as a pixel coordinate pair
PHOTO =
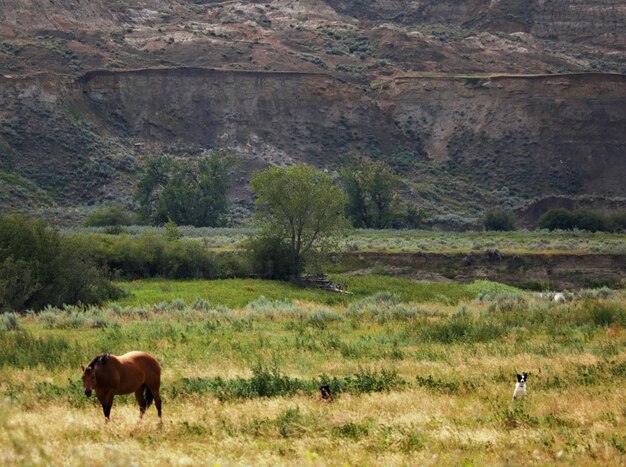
(141, 401)
(154, 389)
(157, 403)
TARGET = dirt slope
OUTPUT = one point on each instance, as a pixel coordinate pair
(475, 103)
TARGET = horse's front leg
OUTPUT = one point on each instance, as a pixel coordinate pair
(106, 400)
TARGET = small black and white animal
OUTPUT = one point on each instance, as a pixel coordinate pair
(327, 394)
(520, 387)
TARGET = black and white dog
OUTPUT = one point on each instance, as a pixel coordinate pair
(520, 387)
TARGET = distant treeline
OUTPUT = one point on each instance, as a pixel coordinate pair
(560, 219)
(581, 219)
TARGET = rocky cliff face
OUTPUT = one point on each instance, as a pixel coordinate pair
(453, 95)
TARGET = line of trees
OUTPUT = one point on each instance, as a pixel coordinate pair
(300, 211)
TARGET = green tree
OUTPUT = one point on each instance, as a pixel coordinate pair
(301, 208)
(371, 194)
(148, 191)
(188, 193)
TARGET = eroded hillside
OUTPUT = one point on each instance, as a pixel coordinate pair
(475, 103)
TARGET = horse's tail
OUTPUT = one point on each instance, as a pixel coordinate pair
(147, 395)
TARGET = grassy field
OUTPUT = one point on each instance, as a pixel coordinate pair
(424, 375)
(239, 292)
(517, 242)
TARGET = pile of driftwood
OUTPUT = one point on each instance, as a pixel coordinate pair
(320, 281)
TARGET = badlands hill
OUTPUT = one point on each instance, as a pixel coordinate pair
(475, 103)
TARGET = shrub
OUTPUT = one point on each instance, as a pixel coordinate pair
(153, 255)
(556, 219)
(563, 219)
(108, 216)
(351, 430)
(10, 322)
(39, 267)
(497, 220)
(618, 221)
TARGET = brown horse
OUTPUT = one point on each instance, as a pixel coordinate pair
(136, 372)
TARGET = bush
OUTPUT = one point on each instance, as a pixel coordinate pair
(39, 267)
(563, 219)
(153, 255)
(108, 216)
(10, 322)
(497, 220)
(556, 219)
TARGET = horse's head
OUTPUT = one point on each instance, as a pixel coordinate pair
(89, 379)
(89, 373)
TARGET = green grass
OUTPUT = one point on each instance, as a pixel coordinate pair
(241, 386)
(236, 293)
(410, 241)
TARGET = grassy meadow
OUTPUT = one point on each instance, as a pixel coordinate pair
(423, 375)
(413, 241)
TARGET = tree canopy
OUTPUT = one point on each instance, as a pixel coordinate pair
(371, 194)
(300, 206)
(187, 192)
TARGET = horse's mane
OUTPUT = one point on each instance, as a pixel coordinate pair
(98, 359)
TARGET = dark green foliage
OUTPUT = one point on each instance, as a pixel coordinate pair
(301, 207)
(72, 392)
(264, 383)
(556, 219)
(563, 219)
(605, 314)
(270, 258)
(618, 221)
(498, 220)
(108, 216)
(371, 194)
(152, 255)
(188, 193)
(410, 217)
(39, 267)
(591, 221)
(438, 384)
(272, 383)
